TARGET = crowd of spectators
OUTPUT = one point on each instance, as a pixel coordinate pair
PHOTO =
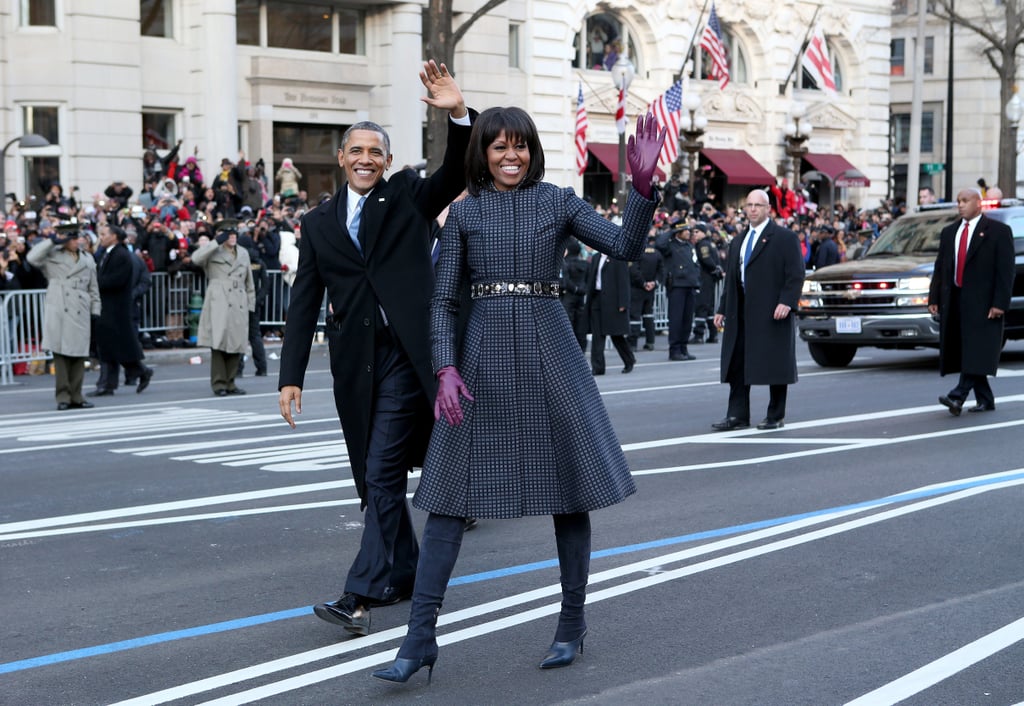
(167, 218)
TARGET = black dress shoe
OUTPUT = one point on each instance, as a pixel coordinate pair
(348, 611)
(598, 372)
(648, 346)
(471, 523)
(221, 393)
(236, 391)
(769, 424)
(144, 380)
(62, 406)
(982, 408)
(261, 373)
(562, 654)
(99, 393)
(955, 406)
(730, 423)
(628, 368)
(682, 356)
(391, 596)
(82, 405)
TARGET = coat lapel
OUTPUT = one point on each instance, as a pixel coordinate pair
(978, 239)
(377, 204)
(762, 240)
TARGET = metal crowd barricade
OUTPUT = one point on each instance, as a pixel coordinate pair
(21, 330)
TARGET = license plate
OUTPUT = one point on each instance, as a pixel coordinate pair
(847, 324)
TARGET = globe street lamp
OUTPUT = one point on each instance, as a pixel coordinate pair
(796, 136)
(622, 75)
(1014, 112)
(29, 140)
(692, 127)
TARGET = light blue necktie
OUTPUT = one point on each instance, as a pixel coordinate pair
(746, 253)
(353, 227)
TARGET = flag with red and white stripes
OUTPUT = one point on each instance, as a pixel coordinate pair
(581, 133)
(666, 112)
(817, 63)
(711, 42)
(620, 112)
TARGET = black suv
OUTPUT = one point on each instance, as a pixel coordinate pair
(881, 300)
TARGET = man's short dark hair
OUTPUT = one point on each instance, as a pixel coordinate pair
(371, 126)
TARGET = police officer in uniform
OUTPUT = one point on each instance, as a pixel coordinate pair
(711, 273)
(644, 276)
(682, 281)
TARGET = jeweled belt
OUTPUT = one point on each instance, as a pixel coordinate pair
(530, 289)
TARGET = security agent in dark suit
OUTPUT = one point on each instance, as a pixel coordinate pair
(972, 285)
(711, 273)
(764, 275)
(608, 311)
(369, 247)
(644, 276)
(827, 252)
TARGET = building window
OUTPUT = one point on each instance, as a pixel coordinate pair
(155, 18)
(929, 56)
(247, 22)
(41, 172)
(299, 26)
(513, 46)
(39, 13)
(158, 131)
(902, 131)
(603, 39)
(350, 32)
(897, 56)
(899, 7)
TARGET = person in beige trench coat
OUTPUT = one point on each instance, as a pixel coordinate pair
(230, 296)
(72, 301)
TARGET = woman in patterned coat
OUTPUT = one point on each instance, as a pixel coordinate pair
(530, 435)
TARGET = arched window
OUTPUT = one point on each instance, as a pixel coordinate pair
(602, 40)
(733, 49)
(807, 81)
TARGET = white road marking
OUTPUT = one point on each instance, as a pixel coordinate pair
(931, 674)
(614, 591)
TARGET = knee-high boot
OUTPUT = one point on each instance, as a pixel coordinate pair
(439, 548)
(572, 537)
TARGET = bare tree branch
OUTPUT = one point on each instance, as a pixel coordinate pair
(464, 27)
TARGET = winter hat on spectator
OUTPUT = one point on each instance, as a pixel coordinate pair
(11, 225)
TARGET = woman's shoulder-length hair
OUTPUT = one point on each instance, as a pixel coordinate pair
(518, 126)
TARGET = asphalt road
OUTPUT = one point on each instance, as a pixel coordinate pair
(166, 548)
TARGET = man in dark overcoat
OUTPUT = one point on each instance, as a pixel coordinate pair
(970, 292)
(764, 275)
(369, 248)
(608, 310)
(572, 290)
(116, 339)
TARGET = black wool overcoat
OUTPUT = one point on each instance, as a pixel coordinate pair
(115, 335)
(614, 296)
(969, 341)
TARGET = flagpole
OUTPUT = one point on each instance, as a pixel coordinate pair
(799, 54)
(693, 39)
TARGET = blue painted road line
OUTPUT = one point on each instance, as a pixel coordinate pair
(240, 623)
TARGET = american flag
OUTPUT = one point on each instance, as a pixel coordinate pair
(816, 61)
(666, 112)
(581, 133)
(620, 112)
(711, 42)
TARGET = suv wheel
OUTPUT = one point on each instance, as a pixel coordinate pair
(832, 355)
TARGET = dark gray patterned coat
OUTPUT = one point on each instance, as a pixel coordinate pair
(537, 440)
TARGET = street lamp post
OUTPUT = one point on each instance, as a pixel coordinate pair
(1014, 112)
(622, 75)
(29, 140)
(692, 127)
(796, 136)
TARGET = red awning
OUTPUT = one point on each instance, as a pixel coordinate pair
(836, 168)
(608, 155)
(739, 167)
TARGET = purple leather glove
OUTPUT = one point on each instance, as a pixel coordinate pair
(449, 387)
(642, 152)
